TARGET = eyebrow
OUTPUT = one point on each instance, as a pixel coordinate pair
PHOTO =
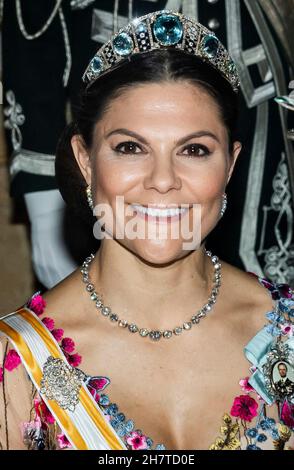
(181, 141)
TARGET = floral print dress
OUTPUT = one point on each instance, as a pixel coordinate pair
(245, 426)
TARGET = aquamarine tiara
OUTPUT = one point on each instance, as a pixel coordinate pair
(157, 30)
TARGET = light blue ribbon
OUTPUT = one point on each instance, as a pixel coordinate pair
(256, 352)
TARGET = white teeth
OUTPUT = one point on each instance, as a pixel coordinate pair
(159, 212)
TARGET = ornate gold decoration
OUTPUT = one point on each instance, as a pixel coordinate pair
(284, 436)
(229, 435)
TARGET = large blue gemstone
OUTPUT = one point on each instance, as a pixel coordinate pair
(168, 29)
(210, 45)
(123, 44)
(97, 65)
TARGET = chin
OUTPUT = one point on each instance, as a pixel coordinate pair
(158, 252)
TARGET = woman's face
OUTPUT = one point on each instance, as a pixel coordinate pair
(144, 151)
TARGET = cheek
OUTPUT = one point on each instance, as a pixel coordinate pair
(206, 182)
(111, 179)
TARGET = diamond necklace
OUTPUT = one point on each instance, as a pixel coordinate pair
(155, 335)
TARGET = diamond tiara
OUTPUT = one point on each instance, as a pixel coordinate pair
(157, 30)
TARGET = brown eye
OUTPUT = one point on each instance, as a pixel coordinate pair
(127, 148)
(197, 150)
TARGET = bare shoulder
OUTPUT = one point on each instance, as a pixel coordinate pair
(244, 283)
(249, 299)
(69, 306)
(64, 302)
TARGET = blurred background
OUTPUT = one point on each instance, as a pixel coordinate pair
(45, 47)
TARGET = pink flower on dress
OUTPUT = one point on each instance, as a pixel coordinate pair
(287, 329)
(30, 430)
(68, 345)
(12, 360)
(28, 426)
(43, 411)
(244, 384)
(49, 323)
(99, 383)
(96, 396)
(247, 388)
(74, 359)
(63, 441)
(137, 441)
(287, 414)
(1, 374)
(244, 407)
(37, 304)
(58, 334)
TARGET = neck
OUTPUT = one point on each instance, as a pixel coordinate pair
(152, 296)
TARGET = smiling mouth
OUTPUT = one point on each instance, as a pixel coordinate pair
(167, 214)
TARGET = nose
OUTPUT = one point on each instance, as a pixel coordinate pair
(162, 175)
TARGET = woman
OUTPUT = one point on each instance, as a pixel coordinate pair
(158, 130)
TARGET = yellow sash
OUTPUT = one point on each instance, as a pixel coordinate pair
(86, 427)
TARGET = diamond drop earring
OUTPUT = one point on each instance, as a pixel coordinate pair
(224, 205)
(90, 197)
